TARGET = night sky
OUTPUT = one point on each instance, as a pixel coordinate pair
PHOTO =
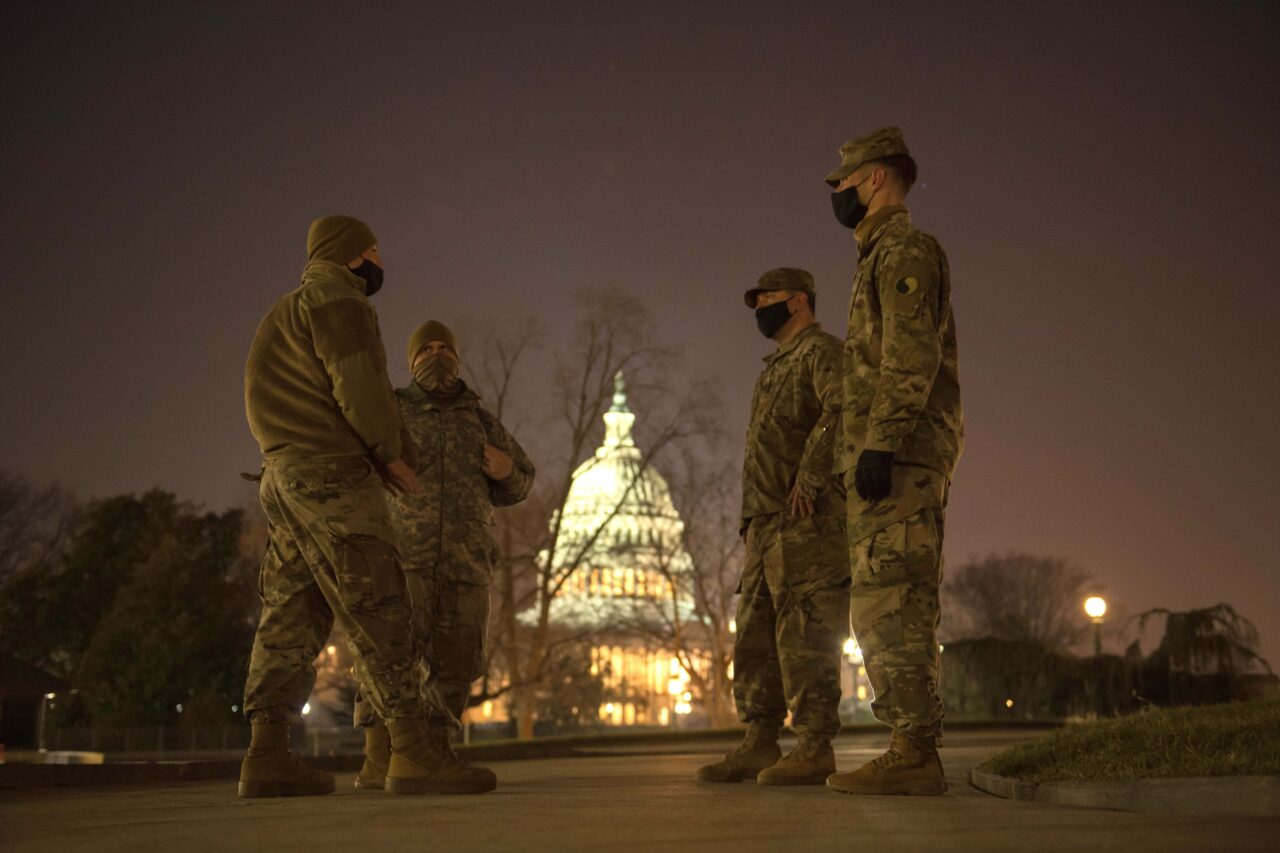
(1103, 177)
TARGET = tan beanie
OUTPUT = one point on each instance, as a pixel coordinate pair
(429, 331)
(340, 239)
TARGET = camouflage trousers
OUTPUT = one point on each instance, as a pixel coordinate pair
(792, 620)
(897, 572)
(330, 555)
(451, 619)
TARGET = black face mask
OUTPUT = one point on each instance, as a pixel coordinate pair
(848, 210)
(771, 318)
(372, 275)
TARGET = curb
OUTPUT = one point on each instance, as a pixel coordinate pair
(164, 772)
(1244, 796)
(21, 775)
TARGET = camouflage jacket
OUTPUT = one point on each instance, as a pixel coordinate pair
(449, 527)
(795, 418)
(901, 381)
(315, 383)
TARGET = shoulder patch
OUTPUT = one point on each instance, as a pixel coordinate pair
(342, 328)
(906, 290)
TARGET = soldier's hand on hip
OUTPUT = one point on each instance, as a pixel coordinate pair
(873, 476)
(400, 479)
(801, 502)
(496, 465)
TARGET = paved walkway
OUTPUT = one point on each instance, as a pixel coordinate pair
(635, 799)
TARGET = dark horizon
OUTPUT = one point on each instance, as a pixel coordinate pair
(1101, 176)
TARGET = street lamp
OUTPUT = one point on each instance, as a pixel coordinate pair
(1095, 606)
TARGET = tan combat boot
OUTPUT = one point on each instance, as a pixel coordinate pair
(911, 766)
(270, 770)
(758, 750)
(810, 763)
(421, 765)
(377, 755)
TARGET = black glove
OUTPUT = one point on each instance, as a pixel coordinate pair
(873, 476)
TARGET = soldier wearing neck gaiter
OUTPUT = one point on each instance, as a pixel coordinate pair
(468, 465)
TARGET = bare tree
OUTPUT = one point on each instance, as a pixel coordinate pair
(694, 619)
(1208, 641)
(503, 351)
(614, 334)
(35, 524)
(1017, 596)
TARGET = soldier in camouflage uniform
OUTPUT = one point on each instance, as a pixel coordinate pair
(324, 415)
(320, 405)
(468, 464)
(902, 436)
(793, 609)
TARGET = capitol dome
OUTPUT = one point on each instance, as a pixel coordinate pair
(627, 579)
(621, 536)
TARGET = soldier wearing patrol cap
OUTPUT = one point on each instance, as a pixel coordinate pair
(793, 609)
(902, 435)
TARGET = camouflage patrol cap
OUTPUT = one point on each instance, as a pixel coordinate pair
(783, 278)
(432, 330)
(885, 142)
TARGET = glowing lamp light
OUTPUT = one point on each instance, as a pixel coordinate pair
(1008, 703)
(50, 695)
(1095, 606)
(332, 650)
(684, 708)
(675, 687)
(851, 649)
(733, 626)
(306, 709)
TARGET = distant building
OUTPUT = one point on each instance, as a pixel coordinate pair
(629, 575)
(25, 692)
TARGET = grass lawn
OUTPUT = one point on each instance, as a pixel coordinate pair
(1235, 739)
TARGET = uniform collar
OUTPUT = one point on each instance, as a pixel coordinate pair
(870, 229)
(330, 271)
(414, 393)
(812, 329)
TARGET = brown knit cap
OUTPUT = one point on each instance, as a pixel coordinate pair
(340, 239)
(432, 330)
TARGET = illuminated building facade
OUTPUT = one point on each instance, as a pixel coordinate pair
(628, 575)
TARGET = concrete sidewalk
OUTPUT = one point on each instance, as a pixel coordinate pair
(618, 800)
